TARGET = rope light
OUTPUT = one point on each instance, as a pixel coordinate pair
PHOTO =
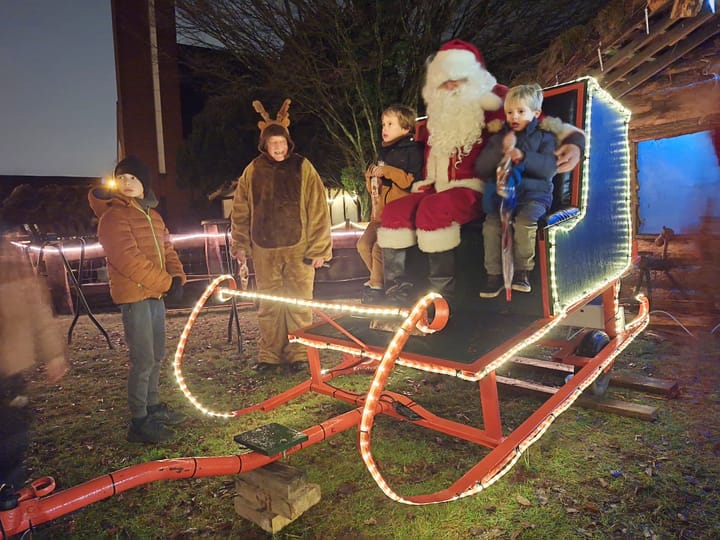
(223, 294)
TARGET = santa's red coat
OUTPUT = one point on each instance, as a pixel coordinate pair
(432, 216)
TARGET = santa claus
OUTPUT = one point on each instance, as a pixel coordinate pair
(464, 107)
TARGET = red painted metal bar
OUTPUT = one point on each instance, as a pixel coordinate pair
(609, 301)
(490, 403)
(34, 510)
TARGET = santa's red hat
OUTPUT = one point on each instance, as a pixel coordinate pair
(458, 60)
(460, 45)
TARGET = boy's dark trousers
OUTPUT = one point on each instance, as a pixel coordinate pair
(144, 325)
(15, 419)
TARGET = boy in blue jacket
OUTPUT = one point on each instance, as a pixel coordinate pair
(531, 149)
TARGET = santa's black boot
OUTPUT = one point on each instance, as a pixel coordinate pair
(442, 274)
(399, 287)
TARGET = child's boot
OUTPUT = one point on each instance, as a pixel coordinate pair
(149, 430)
(166, 415)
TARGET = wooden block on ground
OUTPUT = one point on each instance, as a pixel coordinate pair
(533, 362)
(623, 408)
(652, 385)
(278, 479)
(308, 496)
(265, 519)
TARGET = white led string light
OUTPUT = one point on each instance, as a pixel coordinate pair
(224, 294)
(512, 457)
(182, 341)
(595, 91)
(338, 231)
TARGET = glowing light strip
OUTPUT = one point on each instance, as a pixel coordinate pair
(375, 311)
(174, 238)
(378, 384)
(594, 91)
(224, 294)
(177, 361)
(632, 330)
(442, 370)
(415, 318)
(89, 248)
(638, 325)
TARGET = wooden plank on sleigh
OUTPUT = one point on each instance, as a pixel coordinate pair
(545, 364)
(615, 406)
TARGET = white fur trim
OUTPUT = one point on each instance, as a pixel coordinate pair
(494, 126)
(558, 128)
(436, 166)
(396, 238)
(490, 101)
(476, 184)
(417, 187)
(439, 240)
(456, 65)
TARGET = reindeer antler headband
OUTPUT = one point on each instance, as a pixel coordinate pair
(282, 118)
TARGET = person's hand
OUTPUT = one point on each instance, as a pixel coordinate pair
(568, 156)
(376, 170)
(515, 154)
(241, 257)
(56, 368)
(174, 294)
(317, 262)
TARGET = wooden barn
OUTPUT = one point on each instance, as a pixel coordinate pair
(661, 60)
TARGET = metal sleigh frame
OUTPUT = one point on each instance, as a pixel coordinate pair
(562, 296)
(37, 504)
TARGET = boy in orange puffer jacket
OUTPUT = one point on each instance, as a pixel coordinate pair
(143, 267)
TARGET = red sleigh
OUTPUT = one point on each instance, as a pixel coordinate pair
(584, 248)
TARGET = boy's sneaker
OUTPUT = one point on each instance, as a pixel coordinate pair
(521, 282)
(265, 367)
(400, 293)
(165, 414)
(371, 295)
(149, 430)
(493, 287)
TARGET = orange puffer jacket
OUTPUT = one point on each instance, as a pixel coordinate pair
(141, 260)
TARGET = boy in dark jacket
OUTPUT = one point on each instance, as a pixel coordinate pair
(530, 147)
(143, 267)
(400, 163)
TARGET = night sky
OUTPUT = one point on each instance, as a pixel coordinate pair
(58, 95)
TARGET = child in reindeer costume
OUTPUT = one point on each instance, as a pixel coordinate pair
(280, 218)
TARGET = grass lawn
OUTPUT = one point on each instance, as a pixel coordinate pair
(592, 475)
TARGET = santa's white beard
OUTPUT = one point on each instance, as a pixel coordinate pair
(455, 119)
